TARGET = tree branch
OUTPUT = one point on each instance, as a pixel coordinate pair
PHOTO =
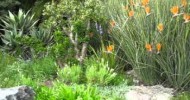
(80, 54)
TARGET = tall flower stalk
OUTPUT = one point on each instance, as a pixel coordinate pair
(156, 40)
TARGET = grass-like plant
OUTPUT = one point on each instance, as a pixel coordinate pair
(70, 74)
(154, 35)
(99, 72)
(108, 53)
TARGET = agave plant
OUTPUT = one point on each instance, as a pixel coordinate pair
(15, 27)
(13, 44)
(23, 22)
(9, 38)
(45, 36)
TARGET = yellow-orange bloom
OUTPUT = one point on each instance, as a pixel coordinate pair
(112, 23)
(184, 3)
(158, 47)
(148, 47)
(186, 17)
(145, 2)
(131, 13)
(110, 48)
(160, 27)
(147, 10)
(175, 10)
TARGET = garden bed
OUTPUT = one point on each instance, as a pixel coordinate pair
(81, 49)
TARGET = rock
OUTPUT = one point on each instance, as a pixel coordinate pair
(157, 92)
(17, 93)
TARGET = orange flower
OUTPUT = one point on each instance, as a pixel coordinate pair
(186, 17)
(160, 27)
(131, 13)
(145, 2)
(158, 47)
(147, 10)
(175, 10)
(112, 23)
(148, 47)
(110, 48)
(184, 3)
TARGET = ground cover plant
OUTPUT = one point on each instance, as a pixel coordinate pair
(182, 96)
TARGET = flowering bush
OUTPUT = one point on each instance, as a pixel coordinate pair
(155, 37)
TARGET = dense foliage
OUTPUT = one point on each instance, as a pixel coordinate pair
(74, 49)
(154, 39)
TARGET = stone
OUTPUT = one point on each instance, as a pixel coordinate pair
(17, 93)
(157, 92)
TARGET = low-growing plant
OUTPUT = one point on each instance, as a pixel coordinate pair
(42, 92)
(182, 96)
(98, 71)
(114, 92)
(70, 74)
(121, 78)
(5, 60)
(62, 91)
(11, 74)
(40, 69)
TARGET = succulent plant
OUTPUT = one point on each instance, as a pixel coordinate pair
(45, 36)
(23, 22)
(16, 27)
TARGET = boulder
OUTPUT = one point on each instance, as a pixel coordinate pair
(157, 92)
(17, 93)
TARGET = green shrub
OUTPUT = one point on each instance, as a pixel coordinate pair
(76, 20)
(11, 74)
(61, 49)
(40, 69)
(99, 72)
(70, 74)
